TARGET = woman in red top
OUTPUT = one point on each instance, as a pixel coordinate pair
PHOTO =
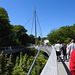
(72, 62)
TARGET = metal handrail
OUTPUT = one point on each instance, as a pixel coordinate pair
(33, 62)
(35, 58)
(51, 66)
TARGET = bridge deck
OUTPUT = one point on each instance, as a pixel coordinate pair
(12, 50)
(53, 67)
(61, 69)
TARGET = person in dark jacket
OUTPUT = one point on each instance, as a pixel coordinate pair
(64, 52)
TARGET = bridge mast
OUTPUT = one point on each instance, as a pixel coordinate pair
(35, 26)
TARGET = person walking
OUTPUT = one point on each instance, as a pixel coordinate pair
(58, 48)
(64, 51)
(71, 47)
(68, 55)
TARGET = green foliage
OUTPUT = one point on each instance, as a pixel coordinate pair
(67, 40)
(18, 72)
(25, 59)
(25, 64)
(6, 65)
(5, 27)
(17, 33)
(64, 34)
(10, 65)
(31, 39)
(21, 55)
(22, 64)
(2, 63)
(21, 38)
(39, 65)
(38, 42)
(17, 61)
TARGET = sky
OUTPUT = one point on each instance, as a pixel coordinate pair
(52, 14)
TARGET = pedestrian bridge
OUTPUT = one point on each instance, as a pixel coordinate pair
(53, 67)
(9, 50)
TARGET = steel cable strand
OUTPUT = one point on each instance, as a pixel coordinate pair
(15, 32)
(39, 26)
(32, 24)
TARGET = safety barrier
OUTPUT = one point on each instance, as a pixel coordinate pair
(34, 61)
(51, 65)
(10, 49)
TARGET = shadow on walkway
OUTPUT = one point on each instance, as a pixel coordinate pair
(66, 68)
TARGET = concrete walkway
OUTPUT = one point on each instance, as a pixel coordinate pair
(53, 67)
(61, 69)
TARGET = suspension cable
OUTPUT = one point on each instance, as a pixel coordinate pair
(32, 24)
(35, 57)
(39, 26)
(16, 31)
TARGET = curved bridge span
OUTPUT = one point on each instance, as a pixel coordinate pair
(53, 67)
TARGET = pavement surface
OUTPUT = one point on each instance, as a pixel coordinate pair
(63, 68)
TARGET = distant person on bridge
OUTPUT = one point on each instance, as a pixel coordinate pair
(64, 51)
(72, 62)
(58, 48)
(71, 46)
(68, 54)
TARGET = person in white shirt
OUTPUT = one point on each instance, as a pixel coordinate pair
(58, 48)
(68, 55)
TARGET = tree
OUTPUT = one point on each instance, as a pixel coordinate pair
(21, 36)
(73, 30)
(64, 33)
(9, 34)
(31, 39)
(10, 65)
(2, 63)
(5, 27)
(17, 61)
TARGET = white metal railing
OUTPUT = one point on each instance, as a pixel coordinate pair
(11, 49)
(34, 61)
(51, 65)
(46, 49)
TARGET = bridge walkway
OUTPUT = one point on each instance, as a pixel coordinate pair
(53, 67)
(61, 69)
